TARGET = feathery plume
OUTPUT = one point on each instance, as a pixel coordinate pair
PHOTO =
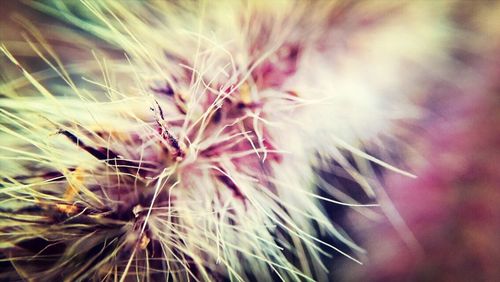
(180, 140)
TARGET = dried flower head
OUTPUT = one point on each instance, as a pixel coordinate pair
(179, 140)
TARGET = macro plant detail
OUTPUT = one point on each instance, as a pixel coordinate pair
(181, 140)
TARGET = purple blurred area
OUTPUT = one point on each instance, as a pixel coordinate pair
(453, 208)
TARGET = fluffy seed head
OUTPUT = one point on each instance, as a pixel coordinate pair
(179, 140)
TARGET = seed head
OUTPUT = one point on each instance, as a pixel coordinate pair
(180, 140)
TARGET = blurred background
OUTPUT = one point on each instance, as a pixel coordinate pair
(452, 210)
